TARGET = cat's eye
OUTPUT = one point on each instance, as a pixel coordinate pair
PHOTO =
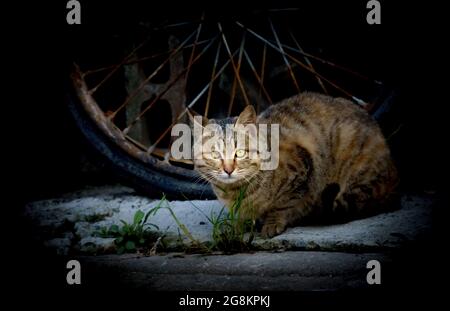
(215, 154)
(240, 153)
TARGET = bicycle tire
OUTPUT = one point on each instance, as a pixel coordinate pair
(144, 177)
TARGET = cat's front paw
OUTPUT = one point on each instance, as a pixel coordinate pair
(272, 229)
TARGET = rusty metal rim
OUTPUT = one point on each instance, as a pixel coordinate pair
(111, 131)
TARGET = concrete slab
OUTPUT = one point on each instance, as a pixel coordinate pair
(68, 223)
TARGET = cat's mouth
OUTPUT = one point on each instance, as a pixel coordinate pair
(227, 179)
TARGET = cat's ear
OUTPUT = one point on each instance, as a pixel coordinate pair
(195, 118)
(247, 116)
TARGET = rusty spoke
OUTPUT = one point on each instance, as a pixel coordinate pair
(134, 141)
(308, 62)
(191, 57)
(284, 10)
(233, 88)
(142, 59)
(331, 64)
(232, 96)
(261, 84)
(263, 71)
(115, 68)
(177, 25)
(236, 72)
(213, 73)
(288, 64)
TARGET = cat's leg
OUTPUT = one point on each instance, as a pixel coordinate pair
(354, 201)
(369, 191)
(278, 219)
(364, 200)
(275, 223)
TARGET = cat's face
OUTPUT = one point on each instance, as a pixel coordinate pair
(229, 157)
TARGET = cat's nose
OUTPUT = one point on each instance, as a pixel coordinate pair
(228, 169)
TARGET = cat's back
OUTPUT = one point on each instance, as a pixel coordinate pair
(310, 108)
(334, 132)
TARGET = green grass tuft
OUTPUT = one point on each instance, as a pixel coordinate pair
(135, 236)
(231, 234)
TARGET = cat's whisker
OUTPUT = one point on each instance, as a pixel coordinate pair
(204, 178)
(198, 179)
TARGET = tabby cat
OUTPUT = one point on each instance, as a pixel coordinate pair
(333, 162)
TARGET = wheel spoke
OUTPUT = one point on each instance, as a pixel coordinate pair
(236, 72)
(308, 62)
(261, 84)
(191, 57)
(142, 59)
(263, 71)
(331, 64)
(177, 25)
(213, 73)
(235, 79)
(115, 68)
(283, 54)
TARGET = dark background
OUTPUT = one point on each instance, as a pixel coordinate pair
(405, 50)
